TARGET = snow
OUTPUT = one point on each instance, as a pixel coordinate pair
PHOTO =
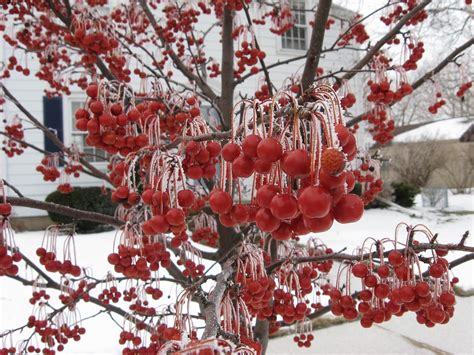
(440, 130)
(399, 336)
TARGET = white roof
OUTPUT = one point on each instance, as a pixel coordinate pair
(446, 129)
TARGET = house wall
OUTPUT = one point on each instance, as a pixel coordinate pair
(20, 170)
(456, 162)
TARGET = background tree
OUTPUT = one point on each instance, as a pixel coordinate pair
(179, 178)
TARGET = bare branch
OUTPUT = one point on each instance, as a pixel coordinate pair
(227, 75)
(316, 43)
(212, 308)
(65, 211)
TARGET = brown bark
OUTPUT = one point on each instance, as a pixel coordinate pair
(316, 43)
(227, 84)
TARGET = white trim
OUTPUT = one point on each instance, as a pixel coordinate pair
(290, 51)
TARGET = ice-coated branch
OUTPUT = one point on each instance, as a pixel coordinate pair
(211, 309)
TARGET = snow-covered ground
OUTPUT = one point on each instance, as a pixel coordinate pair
(400, 335)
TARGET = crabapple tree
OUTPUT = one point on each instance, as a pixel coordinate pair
(217, 207)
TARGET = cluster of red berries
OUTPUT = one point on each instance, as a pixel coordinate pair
(283, 214)
(52, 336)
(348, 100)
(303, 340)
(36, 296)
(48, 259)
(201, 159)
(263, 93)
(65, 188)
(383, 125)
(463, 88)
(233, 5)
(433, 109)
(49, 168)
(117, 171)
(105, 124)
(130, 294)
(155, 292)
(8, 350)
(284, 306)
(357, 33)
(206, 236)
(214, 69)
(399, 11)
(8, 260)
(281, 18)
(14, 131)
(380, 93)
(391, 289)
(191, 268)
(416, 53)
(108, 295)
(138, 263)
(163, 333)
(142, 308)
(70, 295)
(91, 40)
(372, 186)
(329, 23)
(123, 195)
(13, 65)
(257, 295)
(73, 169)
(393, 16)
(248, 56)
(166, 219)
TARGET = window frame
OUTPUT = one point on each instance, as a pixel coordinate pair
(285, 50)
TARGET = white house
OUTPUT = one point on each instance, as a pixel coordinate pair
(59, 114)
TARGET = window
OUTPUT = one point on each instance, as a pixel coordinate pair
(295, 38)
(91, 154)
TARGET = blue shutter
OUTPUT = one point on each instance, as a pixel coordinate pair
(53, 119)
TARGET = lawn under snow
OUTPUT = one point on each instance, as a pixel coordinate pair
(400, 335)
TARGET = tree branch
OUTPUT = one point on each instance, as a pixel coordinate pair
(227, 83)
(316, 43)
(212, 308)
(65, 211)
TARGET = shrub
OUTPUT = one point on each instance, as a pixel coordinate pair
(90, 199)
(404, 193)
